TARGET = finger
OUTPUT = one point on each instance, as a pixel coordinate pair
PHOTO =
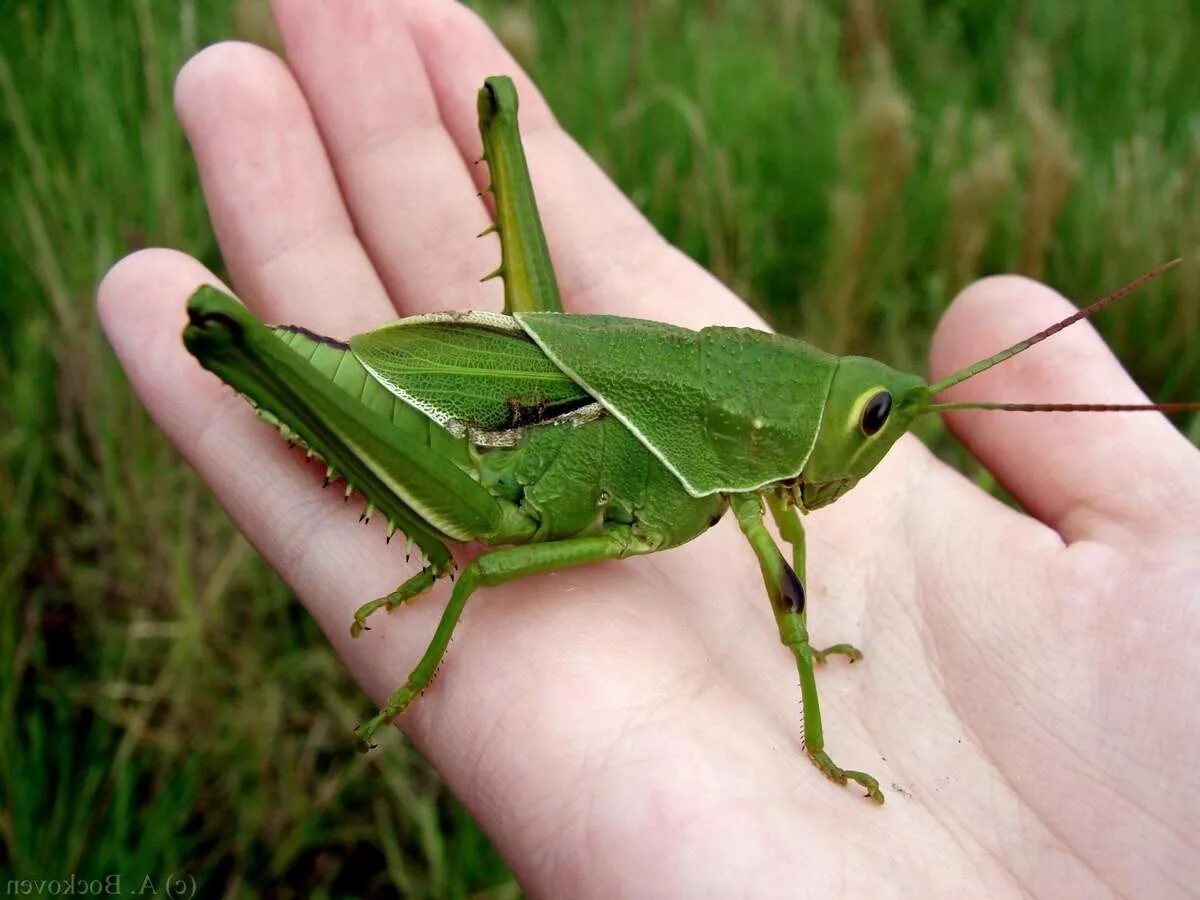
(307, 534)
(274, 201)
(408, 190)
(589, 223)
(1081, 473)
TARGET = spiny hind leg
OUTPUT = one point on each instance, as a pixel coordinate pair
(787, 520)
(786, 591)
(525, 266)
(492, 568)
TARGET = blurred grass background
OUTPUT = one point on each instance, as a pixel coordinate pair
(845, 166)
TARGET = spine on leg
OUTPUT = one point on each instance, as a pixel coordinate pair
(529, 282)
(423, 494)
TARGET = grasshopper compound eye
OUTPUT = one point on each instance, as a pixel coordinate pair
(875, 413)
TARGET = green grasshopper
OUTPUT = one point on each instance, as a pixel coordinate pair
(556, 440)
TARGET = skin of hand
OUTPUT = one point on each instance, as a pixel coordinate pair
(1028, 697)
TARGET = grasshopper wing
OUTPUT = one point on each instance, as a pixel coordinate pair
(725, 409)
(472, 372)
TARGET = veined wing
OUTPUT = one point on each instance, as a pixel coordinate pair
(475, 371)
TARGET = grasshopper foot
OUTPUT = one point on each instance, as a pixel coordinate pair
(850, 652)
(831, 771)
(364, 732)
(399, 702)
(360, 616)
(410, 590)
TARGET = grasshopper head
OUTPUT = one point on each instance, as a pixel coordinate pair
(868, 407)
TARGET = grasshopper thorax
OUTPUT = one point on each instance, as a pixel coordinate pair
(868, 407)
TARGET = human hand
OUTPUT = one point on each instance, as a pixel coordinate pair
(633, 728)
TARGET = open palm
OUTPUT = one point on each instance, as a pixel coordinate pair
(1028, 697)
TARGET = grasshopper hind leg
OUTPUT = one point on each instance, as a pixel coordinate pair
(525, 266)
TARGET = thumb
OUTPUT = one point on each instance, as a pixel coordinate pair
(1078, 472)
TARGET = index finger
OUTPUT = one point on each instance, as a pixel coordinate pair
(409, 192)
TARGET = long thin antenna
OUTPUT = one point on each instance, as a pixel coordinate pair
(1069, 407)
(1021, 346)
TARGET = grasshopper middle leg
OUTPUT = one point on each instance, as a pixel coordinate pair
(492, 568)
(410, 590)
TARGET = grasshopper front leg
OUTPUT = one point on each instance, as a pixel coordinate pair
(787, 520)
(786, 590)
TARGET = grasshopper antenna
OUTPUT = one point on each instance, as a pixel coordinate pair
(1021, 346)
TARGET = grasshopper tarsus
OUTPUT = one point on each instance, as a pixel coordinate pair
(841, 776)
(366, 746)
(852, 653)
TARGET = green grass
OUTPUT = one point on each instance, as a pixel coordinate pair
(165, 705)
